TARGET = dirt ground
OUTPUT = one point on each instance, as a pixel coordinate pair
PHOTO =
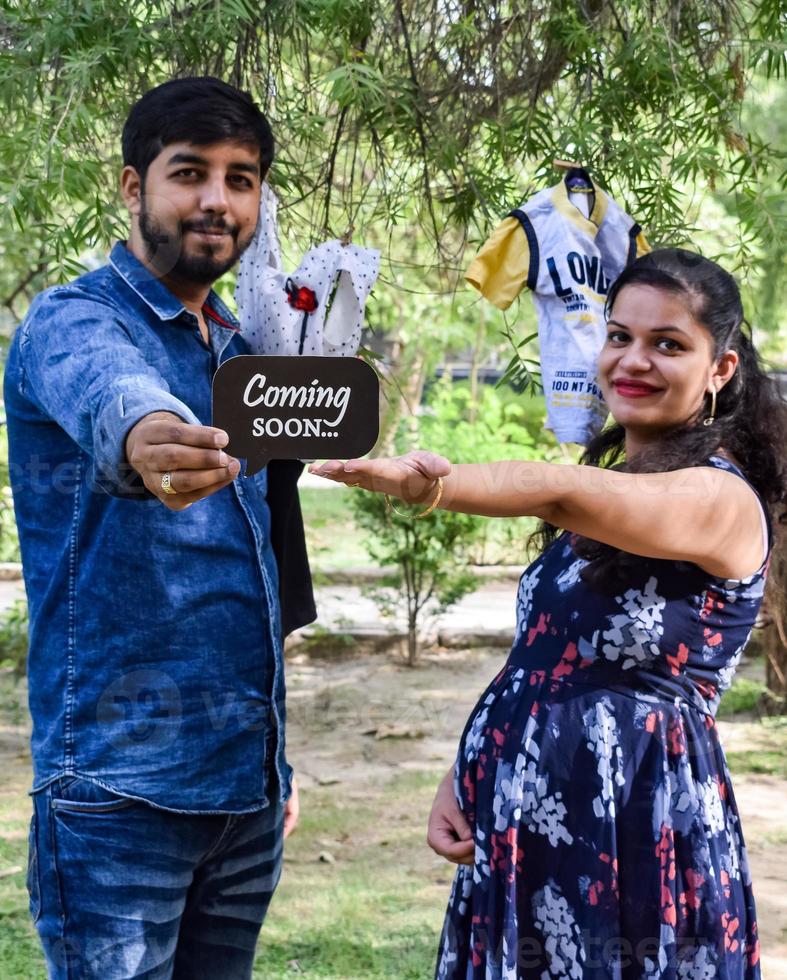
(358, 720)
(361, 721)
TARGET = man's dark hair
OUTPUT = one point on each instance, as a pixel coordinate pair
(193, 110)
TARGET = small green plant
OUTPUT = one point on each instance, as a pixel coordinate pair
(9, 539)
(749, 697)
(431, 573)
(13, 637)
(431, 556)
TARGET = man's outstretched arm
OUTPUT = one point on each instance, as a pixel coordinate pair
(193, 455)
(83, 370)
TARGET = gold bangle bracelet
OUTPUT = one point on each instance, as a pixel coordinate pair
(424, 513)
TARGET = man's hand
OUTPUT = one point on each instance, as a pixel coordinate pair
(292, 810)
(192, 455)
(448, 833)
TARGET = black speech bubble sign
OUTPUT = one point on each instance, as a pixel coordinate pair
(296, 407)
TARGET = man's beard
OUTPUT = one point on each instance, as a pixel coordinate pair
(166, 253)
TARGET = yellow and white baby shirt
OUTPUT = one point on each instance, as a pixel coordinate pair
(568, 261)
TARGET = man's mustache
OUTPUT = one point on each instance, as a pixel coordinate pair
(211, 226)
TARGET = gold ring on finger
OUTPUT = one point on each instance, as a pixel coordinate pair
(166, 483)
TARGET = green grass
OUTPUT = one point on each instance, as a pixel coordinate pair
(760, 761)
(375, 913)
(332, 538)
(767, 754)
(20, 952)
(744, 696)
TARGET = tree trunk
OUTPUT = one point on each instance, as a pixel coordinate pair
(774, 608)
(775, 660)
(404, 392)
(774, 640)
(412, 645)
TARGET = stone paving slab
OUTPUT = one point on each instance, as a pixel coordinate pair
(490, 606)
(484, 616)
(10, 591)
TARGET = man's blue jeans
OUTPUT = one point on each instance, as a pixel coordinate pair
(120, 889)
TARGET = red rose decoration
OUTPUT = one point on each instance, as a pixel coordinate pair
(301, 297)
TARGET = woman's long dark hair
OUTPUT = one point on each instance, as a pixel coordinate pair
(751, 418)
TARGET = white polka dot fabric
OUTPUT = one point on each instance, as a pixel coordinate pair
(270, 325)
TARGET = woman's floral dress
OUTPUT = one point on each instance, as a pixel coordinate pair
(607, 840)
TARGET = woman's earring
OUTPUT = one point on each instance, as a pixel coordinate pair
(709, 420)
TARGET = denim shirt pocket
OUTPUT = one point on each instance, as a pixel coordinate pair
(33, 876)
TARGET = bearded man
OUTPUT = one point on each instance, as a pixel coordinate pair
(161, 791)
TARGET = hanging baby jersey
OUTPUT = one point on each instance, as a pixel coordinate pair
(568, 261)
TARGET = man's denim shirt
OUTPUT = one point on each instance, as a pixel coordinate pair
(155, 663)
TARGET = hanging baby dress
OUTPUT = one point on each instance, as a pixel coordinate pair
(318, 309)
(567, 258)
(287, 315)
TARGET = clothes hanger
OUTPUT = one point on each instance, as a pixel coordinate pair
(578, 180)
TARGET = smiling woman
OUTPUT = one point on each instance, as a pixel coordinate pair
(657, 364)
(676, 330)
(591, 809)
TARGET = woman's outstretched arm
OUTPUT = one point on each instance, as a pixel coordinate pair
(703, 515)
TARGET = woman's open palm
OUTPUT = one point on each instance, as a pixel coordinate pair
(410, 476)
